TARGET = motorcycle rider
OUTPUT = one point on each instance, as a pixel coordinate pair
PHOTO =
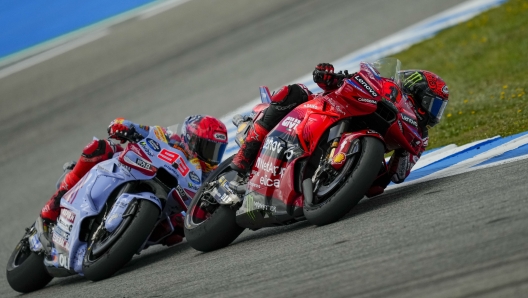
(426, 91)
(203, 142)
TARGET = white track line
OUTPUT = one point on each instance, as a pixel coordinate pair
(166, 5)
(79, 37)
(468, 165)
(426, 160)
(475, 160)
(51, 53)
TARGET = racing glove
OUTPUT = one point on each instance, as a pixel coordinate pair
(122, 130)
(325, 77)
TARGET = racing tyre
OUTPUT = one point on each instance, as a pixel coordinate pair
(348, 188)
(109, 253)
(207, 231)
(25, 269)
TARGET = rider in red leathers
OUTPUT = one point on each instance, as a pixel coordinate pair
(427, 91)
(203, 141)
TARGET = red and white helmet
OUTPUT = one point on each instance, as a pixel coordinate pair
(206, 136)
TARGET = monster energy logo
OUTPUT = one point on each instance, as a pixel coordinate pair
(250, 206)
(412, 79)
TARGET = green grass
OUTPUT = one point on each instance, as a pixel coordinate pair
(484, 62)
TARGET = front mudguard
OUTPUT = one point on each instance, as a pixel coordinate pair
(347, 145)
(114, 218)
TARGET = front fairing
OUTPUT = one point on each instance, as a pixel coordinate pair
(139, 161)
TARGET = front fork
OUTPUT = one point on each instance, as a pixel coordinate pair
(325, 170)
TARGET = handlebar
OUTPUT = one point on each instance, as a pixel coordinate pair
(341, 75)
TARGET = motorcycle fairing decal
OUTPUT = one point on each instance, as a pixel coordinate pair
(365, 85)
(348, 96)
(259, 211)
(66, 219)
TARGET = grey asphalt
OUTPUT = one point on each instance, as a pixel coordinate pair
(461, 236)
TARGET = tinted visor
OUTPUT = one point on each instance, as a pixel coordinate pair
(436, 106)
(210, 151)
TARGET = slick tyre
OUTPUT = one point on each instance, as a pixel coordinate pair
(219, 229)
(25, 270)
(128, 239)
(357, 181)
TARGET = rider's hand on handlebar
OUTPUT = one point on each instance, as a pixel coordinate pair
(119, 131)
(325, 77)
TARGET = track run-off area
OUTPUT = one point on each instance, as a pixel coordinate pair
(457, 228)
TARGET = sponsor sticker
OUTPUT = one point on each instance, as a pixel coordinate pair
(339, 158)
(194, 177)
(61, 241)
(146, 149)
(273, 145)
(269, 167)
(64, 261)
(290, 123)
(181, 192)
(143, 164)
(192, 186)
(409, 120)
(220, 136)
(365, 85)
(158, 131)
(366, 100)
(445, 90)
(310, 106)
(269, 182)
(153, 145)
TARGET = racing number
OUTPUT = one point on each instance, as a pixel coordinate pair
(171, 158)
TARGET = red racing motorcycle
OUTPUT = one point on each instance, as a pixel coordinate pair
(316, 164)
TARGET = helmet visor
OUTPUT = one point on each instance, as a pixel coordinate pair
(436, 106)
(211, 151)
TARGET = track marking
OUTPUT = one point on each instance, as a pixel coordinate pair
(61, 44)
(53, 52)
(162, 7)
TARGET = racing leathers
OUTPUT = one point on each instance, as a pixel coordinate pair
(287, 98)
(100, 150)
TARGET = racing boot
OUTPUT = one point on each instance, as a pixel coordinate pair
(245, 157)
(51, 210)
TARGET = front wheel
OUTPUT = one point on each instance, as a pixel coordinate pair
(349, 187)
(211, 228)
(111, 251)
(25, 269)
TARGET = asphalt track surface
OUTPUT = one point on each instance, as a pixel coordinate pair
(461, 236)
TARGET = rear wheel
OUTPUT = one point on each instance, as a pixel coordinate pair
(25, 269)
(109, 252)
(211, 226)
(338, 196)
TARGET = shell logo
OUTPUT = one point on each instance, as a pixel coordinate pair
(339, 158)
